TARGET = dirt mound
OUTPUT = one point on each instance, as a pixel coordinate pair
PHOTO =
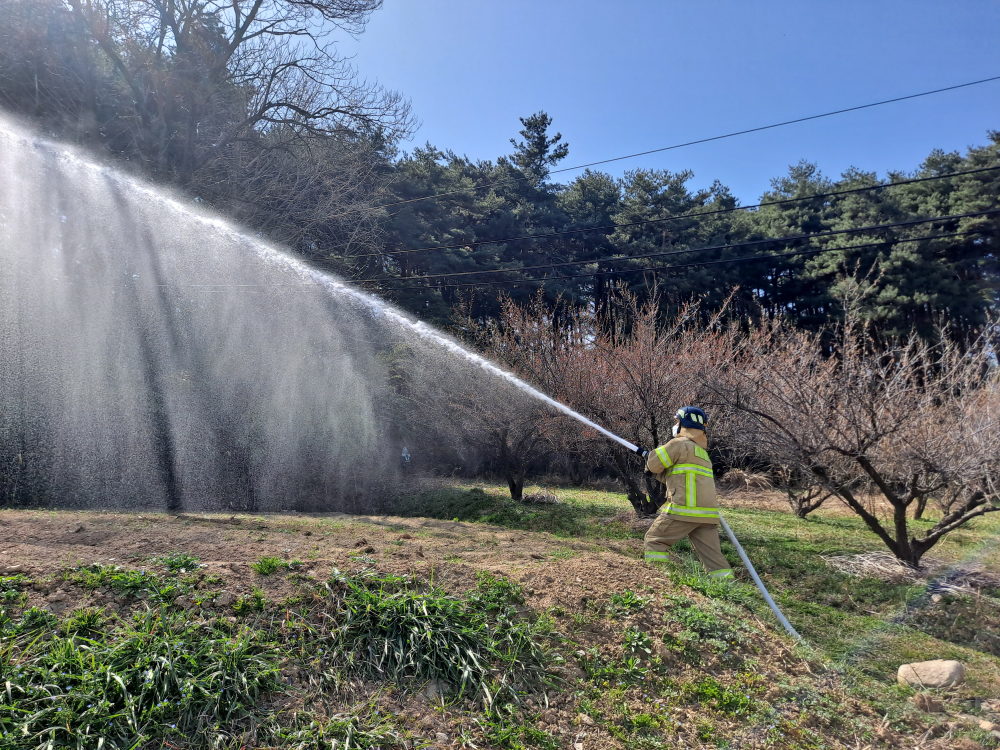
(645, 656)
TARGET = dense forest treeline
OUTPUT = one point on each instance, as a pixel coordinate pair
(247, 106)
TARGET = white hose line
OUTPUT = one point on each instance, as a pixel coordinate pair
(756, 579)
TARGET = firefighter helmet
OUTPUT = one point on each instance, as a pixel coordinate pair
(693, 417)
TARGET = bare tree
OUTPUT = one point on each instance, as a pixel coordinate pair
(906, 421)
(805, 494)
(204, 75)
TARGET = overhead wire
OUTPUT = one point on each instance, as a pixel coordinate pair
(677, 217)
(511, 180)
(695, 264)
(730, 245)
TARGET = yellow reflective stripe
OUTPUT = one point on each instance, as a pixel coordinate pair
(699, 512)
(702, 453)
(661, 453)
(693, 469)
(721, 573)
(657, 556)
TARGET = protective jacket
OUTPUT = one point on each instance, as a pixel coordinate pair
(684, 467)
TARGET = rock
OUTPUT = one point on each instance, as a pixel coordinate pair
(435, 689)
(551, 716)
(11, 570)
(928, 704)
(936, 673)
(184, 602)
(936, 598)
(988, 726)
(442, 737)
(586, 720)
(58, 596)
(225, 599)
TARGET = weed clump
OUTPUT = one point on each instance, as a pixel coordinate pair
(179, 562)
(159, 675)
(626, 603)
(123, 581)
(391, 628)
(255, 601)
(266, 566)
(700, 628)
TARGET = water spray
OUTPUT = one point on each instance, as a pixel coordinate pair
(57, 242)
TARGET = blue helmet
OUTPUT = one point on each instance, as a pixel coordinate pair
(692, 417)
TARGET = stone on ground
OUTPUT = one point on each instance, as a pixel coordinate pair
(935, 673)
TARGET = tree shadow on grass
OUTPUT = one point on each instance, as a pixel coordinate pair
(563, 519)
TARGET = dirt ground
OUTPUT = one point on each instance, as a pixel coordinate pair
(556, 572)
(564, 574)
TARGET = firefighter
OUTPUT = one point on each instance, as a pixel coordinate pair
(692, 509)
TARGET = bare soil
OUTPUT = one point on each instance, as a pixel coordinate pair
(575, 579)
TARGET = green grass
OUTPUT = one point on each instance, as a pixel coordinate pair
(265, 566)
(579, 515)
(125, 581)
(158, 676)
(179, 562)
(851, 620)
(392, 628)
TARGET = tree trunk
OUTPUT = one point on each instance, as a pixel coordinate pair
(516, 485)
(921, 507)
(905, 552)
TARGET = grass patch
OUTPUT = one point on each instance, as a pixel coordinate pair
(391, 628)
(179, 562)
(247, 604)
(125, 581)
(159, 676)
(626, 603)
(266, 566)
(580, 514)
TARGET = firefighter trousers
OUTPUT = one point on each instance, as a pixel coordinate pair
(667, 530)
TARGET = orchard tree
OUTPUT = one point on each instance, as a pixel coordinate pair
(888, 426)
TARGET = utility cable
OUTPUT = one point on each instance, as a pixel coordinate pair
(750, 243)
(695, 264)
(693, 214)
(691, 143)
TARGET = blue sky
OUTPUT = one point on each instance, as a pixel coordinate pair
(632, 75)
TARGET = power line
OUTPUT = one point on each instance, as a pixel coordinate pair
(626, 225)
(695, 264)
(693, 143)
(750, 243)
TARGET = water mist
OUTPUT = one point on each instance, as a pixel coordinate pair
(153, 355)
